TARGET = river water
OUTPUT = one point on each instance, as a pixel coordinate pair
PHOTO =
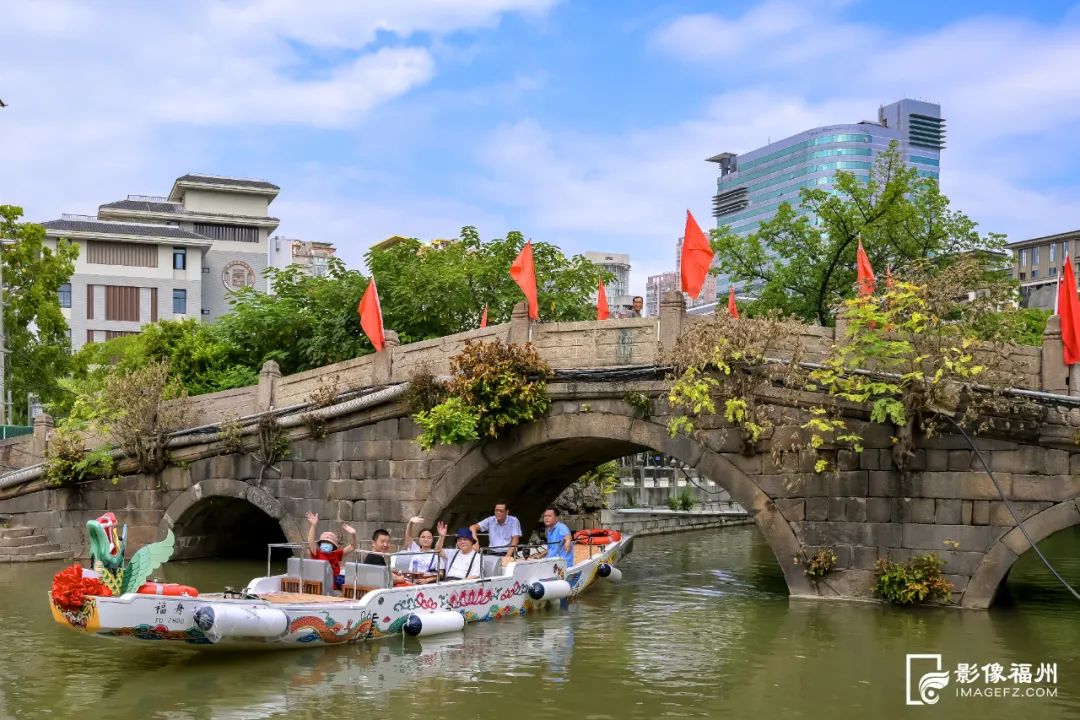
(700, 627)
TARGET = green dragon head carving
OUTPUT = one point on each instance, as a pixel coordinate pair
(107, 545)
(107, 542)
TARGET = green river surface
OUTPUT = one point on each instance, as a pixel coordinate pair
(700, 627)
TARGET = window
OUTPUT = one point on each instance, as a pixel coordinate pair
(1034, 274)
(179, 258)
(1023, 276)
(121, 253)
(65, 295)
(234, 233)
(1053, 251)
(179, 302)
(1035, 255)
(1053, 272)
(1023, 258)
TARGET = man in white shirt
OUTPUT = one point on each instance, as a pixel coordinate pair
(503, 529)
(462, 562)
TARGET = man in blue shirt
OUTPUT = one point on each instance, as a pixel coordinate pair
(560, 541)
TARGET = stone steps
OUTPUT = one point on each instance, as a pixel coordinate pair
(18, 542)
(38, 557)
(23, 544)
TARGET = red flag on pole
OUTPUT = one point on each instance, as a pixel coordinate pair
(483, 317)
(601, 303)
(1068, 308)
(371, 316)
(867, 281)
(696, 259)
(732, 308)
(524, 273)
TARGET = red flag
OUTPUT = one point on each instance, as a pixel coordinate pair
(601, 303)
(1068, 308)
(371, 315)
(697, 257)
(867, 281)
(732, 308)
(524, 273)
(483, 317)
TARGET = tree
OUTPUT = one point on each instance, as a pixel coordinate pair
(804, 260)
(35, 331)
(305, 323)
(427, 292)
(197, 356)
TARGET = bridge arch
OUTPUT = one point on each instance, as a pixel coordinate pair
(992, 570)
(551, 453)
(224, 517)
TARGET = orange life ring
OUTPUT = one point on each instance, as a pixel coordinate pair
(167, 589)
(597, 536)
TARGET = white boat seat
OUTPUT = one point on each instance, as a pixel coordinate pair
(305, 575)
(366, 576)
(493, 566)
(401, 562)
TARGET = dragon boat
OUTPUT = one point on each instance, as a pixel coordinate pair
(299, 608)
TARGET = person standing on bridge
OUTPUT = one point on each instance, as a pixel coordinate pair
(503, 529)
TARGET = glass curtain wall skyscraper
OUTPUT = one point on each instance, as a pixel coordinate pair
(752, 185)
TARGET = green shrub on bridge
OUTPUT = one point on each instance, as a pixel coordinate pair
(919, 580)
(495, 386)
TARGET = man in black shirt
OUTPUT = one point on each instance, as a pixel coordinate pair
(380, 543)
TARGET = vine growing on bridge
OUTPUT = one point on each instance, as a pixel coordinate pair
(494, 387)
(723, 368)
(920, 347)
(910, 353)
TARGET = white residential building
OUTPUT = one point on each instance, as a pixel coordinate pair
(148, 258)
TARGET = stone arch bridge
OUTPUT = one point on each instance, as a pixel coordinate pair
(363, 466)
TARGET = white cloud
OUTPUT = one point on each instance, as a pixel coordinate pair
(103, 98)
(1006, 85)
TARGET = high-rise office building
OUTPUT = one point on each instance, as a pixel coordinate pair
(655, 287)
(752, 185)
(620, 302)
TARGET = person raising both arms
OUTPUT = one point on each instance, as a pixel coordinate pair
(327, 548)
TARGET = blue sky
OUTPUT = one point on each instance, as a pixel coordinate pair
(581, 123)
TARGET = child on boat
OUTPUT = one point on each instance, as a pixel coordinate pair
(327, 548)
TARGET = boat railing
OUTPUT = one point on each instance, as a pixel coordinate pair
(358, 555)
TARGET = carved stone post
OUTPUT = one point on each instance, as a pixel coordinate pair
(672, 317)
(266, 392)
(519, 324)
(383, 371)
(43, 427)
(1055, 373)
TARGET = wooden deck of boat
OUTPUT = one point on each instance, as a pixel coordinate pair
(582, 552)
(289, 598)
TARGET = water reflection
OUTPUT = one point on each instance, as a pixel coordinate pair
(701, 627)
